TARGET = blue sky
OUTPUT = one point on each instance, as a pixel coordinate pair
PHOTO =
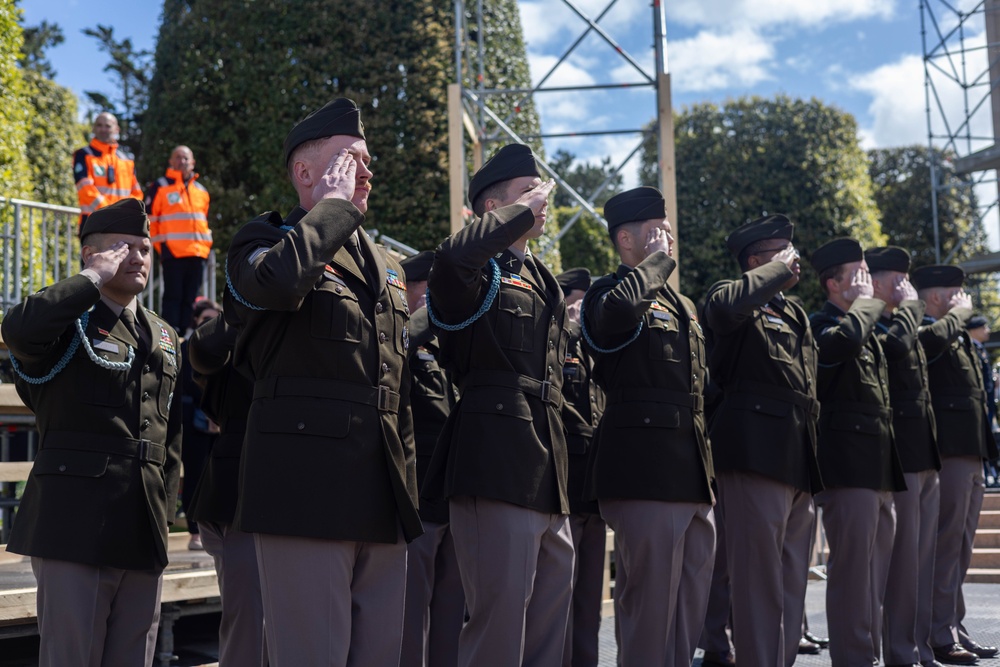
(863, 56)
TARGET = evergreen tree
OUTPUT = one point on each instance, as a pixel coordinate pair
(14, 109)
(231, 91)
(754, 155)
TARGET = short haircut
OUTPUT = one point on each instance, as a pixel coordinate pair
(97, 240)
(497, 190)
(630, 227)
(835, 272)
(306, 147)
(202, 305)
(752, 249)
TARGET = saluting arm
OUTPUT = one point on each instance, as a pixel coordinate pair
(455, 282)
(211, 346)
(731, 302)
(275, 270)
(39, 326)
(899, 340)
(842, 340)
(615, 309)
(936, 337)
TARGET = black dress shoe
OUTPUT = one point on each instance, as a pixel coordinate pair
(822, 641)
(715, 659)
(981, 651)
(807, 647)
(930, 663)
(954, 654)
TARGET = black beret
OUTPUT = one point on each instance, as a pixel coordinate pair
(126, 216)
(976, 321)
(888, 258)
(768, 227)
(341, 116)
(836, 252)
(635, 205)
(938, 275)
(572, 279)
(418, 267)
(511, 161)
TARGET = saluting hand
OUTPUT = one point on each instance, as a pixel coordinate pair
(904, 290)
(106, 262)
(789, 257)
(861, 286)
(656, 239)
(339, 179)
(537, 198)
(960, 300)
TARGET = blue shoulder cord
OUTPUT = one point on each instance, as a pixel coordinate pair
(491, 296)
(232, 288)
(606, 350)
(81, 324)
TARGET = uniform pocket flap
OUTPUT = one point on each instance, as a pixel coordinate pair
(71, 462)
(855, 422)
(496, 401)
(953, 403)
(762, 404)
(647, 415)
(303, 416)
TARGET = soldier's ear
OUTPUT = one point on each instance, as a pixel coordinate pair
(301, 173)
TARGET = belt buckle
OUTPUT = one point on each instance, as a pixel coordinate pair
(546, 390)
(143, 451)
(383, 398)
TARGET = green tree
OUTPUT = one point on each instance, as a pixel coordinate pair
(231, 91)
(585, 178)
(586, 243)
(755, 155)
(14, 110)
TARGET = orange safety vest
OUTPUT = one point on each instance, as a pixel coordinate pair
(104, 174)
(178, 216)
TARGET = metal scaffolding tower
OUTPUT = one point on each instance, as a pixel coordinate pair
(962, 88)
(471, 113)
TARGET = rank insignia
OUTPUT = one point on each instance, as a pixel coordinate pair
(516, 281)
(333, 274)
(167, 345)
(767, 310)
(392, 278)
(406, 338)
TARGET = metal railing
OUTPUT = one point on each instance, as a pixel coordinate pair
(39, 245)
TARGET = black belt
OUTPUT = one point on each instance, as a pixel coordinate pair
(655, 395)
(144, 450)
(785, 394)
(381, 397)
(542, 389)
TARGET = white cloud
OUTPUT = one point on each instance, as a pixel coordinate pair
(710, 61)
(551, 21)
(762, 13)
(897, 111)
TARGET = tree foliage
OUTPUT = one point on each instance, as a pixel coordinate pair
(585, 178)
(754, 155)
(586, 243)
(231, 91)
(14, 111)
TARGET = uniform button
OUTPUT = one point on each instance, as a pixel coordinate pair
(145, 395)
(381, 336)
(338, 289)
(553, 319)
(857, 427)
(593, 399)
(552, 345)
(379, 307)
(756, 407)
(518, 310)
(385, 368)
(145, 424)
(499, 406)
(645, 420)
(62, 468)
(550, 369)
(145, 369)
(300, 425)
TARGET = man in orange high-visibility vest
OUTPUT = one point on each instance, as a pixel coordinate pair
(104, 173)
(178, 218)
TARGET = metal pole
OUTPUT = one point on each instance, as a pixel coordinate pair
(930, 135)
(665, 121)
(17, 253)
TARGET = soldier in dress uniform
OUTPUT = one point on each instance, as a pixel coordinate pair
(501, 460)
(435, 603)
(857, 457)
(964, 440)
(650, 463)
(583, 405)
(226, 397)
(906, 620)
(100, 373)
(763, 358)
(324, 335)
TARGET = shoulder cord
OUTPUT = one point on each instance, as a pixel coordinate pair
(232, 288)
(491, 296)
(80, 335)
(606, 350)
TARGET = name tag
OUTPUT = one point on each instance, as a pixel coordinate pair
(775, 320)
(423, 355)
(105, 345)
(661, 314)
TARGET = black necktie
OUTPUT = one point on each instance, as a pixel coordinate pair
(128, 319)
(536, 277)
(354, 250)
